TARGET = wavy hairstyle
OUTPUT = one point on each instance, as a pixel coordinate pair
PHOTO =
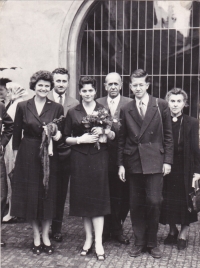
(84, 80)
(41, 75)
(177, 91)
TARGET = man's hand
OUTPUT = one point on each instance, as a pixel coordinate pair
(121, 173)
(166, 169)
(196, 177)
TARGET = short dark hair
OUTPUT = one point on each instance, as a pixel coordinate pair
(61, 71)
(138, 74)
(4, 81)
(177, 91)
(41, 75)
(84, 80)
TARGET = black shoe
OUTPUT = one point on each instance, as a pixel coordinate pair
(85, 252)
(11, 221)
(3, 244)
(105, 237)
(121, 239)
(182, 244)
(155, 252)
(100, 257)
(171, 239)
(48, 249)
(56, 237)
(136, 251)
(36, 249)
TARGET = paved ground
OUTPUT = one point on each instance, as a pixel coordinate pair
(17, 253)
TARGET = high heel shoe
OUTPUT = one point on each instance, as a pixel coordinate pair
(100, 257)
(48, 249)
(36, 249)
(85, 252)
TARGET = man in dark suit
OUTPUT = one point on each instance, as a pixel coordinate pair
(145, 152)
(6, 130)
(118, 191)
(59, 95)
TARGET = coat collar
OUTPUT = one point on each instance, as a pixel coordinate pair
(32, 108)
(80, 108)
(151, 110)
(135, 114)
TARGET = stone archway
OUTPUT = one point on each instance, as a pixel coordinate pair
(69, 50)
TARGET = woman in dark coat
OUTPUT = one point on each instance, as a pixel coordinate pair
(29, 200)
(177, 206)
(89, 190)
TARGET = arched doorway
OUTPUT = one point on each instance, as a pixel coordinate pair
(122, 36)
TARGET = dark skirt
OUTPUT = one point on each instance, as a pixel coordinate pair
(174, 206)
(28, 196)
(89, 189)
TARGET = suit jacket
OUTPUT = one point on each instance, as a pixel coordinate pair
(7, 122)
(144, 145)
(191, 152)
(27, 119)
(113, 144)
(69, 102)
(74, 127)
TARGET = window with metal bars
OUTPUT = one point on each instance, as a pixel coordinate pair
(121, 36)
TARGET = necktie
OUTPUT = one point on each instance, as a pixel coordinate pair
(142, 109)
(112, 108)
(61, 99)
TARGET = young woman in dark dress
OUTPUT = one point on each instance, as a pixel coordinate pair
(89, 190)
(176, 206)
(28, 196)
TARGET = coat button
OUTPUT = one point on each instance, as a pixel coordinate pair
(149, 143)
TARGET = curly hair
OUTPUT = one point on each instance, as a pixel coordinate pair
(87, 80)
(138, 74)
(41, 75)
(177, 91)
(61, 71)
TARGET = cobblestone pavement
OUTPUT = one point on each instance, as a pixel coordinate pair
(18, 237)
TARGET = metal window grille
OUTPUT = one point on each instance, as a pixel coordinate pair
(121, 36)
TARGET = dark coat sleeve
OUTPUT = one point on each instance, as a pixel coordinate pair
(7, 123)
(121, 138)
(195, 145)
(167, 133)
(18, 125)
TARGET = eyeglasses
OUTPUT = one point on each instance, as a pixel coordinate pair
(138, 85)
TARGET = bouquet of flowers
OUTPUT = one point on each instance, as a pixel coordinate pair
(100, 118)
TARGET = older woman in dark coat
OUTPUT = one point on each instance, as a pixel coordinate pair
(29, 199)
(177, 206)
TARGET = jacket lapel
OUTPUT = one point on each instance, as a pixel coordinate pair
(46, 107)
(150, 112)
(31, 107)
(135, 114)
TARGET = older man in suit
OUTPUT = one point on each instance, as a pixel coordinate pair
(59, 95)
(145, 152)
(6, 130)
(118, 191)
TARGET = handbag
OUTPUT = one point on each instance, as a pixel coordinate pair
(195, 197)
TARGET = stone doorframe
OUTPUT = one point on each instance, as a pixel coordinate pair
(71, 35)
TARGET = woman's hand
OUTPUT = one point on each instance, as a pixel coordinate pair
(121, 173)
(87, 138)
(97, 130)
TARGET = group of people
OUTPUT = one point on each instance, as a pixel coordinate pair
(147, 165)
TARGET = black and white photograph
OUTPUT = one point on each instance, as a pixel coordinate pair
(100, 133)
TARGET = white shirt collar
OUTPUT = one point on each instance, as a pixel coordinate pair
(145, 100)
(116, 100)
(57, 96)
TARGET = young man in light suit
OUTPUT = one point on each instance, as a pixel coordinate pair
(59, 95)
(145, 153)
(118, 191)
